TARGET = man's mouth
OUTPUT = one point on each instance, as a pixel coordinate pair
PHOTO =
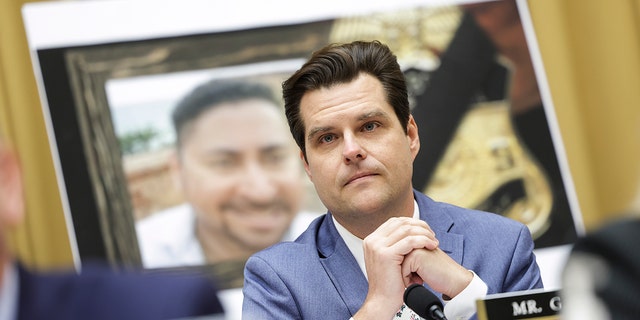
(359, 176)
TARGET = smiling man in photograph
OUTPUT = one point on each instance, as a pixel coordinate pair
(244, 186)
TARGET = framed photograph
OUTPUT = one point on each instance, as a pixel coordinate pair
(490, 140)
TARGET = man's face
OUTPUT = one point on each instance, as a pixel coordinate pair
(239, 170)
(359, 157)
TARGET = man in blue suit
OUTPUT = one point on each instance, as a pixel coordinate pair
(97, 292)
(348, 111)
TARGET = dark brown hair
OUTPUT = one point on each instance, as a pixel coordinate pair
(342, 63)
(212, 94)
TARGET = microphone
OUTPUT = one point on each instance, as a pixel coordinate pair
(423, 302)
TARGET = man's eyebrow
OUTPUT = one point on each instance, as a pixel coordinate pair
(313, 132)
(221, 152)
(372, 114)
(274, 147)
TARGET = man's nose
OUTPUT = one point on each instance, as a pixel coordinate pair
(258, 184)
(352, 150)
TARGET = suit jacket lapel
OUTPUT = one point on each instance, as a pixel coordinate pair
(441, 223)
(341, 267)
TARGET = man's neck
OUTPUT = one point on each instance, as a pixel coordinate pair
(363, 225)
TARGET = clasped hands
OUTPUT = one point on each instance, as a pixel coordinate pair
(403, 251)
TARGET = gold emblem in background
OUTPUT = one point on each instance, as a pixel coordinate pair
(485, 167)
(412, 34)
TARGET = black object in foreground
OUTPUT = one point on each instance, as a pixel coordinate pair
(423, 302)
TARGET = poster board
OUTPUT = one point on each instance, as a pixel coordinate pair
(84, 51)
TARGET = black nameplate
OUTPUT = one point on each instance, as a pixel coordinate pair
(535, 304)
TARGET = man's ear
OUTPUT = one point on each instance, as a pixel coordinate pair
(11, 190)
(413, 137)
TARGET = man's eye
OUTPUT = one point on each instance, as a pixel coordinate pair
(222, 163)
(370, 126)
(327, 138)
(275, 158)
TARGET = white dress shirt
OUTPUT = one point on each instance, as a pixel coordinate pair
(462, 306)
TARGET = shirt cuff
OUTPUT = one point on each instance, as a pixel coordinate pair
(463, 306)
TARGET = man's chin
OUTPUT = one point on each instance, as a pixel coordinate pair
(366, 201)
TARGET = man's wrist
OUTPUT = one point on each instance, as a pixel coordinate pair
(376, 310)
(463, 305)
(461, 283)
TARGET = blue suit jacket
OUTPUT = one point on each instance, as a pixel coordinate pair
(100, 293)
(317, 277)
